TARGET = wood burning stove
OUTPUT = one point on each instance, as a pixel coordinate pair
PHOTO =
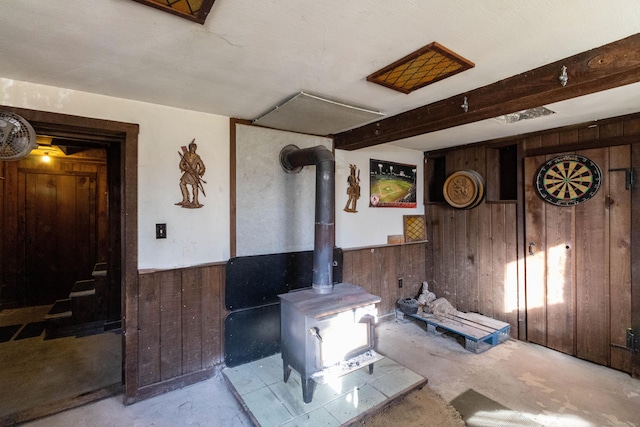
(328, 330)
(327, 335)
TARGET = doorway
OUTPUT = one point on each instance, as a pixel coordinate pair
(578, 261)
(114, 238)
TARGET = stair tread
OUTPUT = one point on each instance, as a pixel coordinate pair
(60, 309)
(100, 269)
(83, 288)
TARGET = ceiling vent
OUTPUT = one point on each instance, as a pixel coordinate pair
(531, 113)
(314, 115)
(420, 68)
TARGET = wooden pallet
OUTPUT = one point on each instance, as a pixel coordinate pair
(480, 332)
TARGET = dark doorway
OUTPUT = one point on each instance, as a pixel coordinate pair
(65, 221)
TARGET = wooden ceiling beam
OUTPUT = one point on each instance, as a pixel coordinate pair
(606, 67)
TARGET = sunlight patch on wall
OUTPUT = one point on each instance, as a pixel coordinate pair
(557, 271)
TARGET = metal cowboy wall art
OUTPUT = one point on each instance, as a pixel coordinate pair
(192, 168)
(353, 190)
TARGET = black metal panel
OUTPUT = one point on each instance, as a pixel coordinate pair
(251, 334)
(254, 281)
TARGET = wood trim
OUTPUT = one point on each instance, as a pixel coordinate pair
(583, 145)
(635, 266)
(520, 242)
(176, 383)
(606, 67)
(232, 182)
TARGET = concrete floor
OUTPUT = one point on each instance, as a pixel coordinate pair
(36, 372)
(536, 384)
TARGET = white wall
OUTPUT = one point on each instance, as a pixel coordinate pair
(371, 226)
(275, 210)
(194, 236)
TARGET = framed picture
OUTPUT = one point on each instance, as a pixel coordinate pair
(393, 185)
(193, 10)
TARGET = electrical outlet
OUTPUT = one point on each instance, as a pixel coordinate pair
(161, 231)
(400, 283)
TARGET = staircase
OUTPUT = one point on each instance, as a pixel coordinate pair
(84, 311)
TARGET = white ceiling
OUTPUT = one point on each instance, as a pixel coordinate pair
(252, 55)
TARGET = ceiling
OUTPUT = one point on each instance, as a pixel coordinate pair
(251, 56)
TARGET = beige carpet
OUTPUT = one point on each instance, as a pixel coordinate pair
(420, 408)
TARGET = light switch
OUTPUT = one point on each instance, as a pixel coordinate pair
(161, 231)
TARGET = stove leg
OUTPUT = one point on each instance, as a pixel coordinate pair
(370, 368)
(287, 371)
(308, 387)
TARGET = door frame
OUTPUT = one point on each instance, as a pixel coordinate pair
(121, 142)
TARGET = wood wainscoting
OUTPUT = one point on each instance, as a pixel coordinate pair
(378, 269)
(181, 313)
(180, 318)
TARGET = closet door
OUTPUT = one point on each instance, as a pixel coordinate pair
(578, 286)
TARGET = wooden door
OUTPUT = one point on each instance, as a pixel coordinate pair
(578, 272)
(58, 217)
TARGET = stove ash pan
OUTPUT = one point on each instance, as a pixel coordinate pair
(327, 335)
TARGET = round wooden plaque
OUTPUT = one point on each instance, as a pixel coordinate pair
(464, 189)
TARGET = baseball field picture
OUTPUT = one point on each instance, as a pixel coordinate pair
(392, 184)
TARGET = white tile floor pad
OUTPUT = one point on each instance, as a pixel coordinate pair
(260, 388)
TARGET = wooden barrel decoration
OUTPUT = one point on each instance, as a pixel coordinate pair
(464, 189)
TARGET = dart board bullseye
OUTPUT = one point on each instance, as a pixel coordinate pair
(568, 180)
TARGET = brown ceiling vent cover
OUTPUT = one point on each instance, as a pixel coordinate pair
(420, 68)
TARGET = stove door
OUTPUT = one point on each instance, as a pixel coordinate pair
(343, 336)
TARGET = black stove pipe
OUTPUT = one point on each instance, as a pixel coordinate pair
(293, 159)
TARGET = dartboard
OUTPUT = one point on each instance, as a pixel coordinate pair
(568, 180)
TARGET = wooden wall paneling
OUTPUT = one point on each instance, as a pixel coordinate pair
(619, 205)
(561, 280)
(635, 244)
(391, 262)
(102, 206)
(388, 263)
(148, 350)
(567, 136)
(191, 320)
(535, 264)
(212, 315)
(375, 275)
(447, 284)
(510, 303)
(347, 266)
(498, 259)
(531, 142)
(73, 214)
(592, 271)
(357, 265)
(85, 225)
(549, 139)
(169, 284)
(476, 158)
(461, 301)
(484, 261)
(418, 268)
(434, 255)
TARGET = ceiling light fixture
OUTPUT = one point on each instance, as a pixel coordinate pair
(531, 113)
(426, 65)
(46, 158)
